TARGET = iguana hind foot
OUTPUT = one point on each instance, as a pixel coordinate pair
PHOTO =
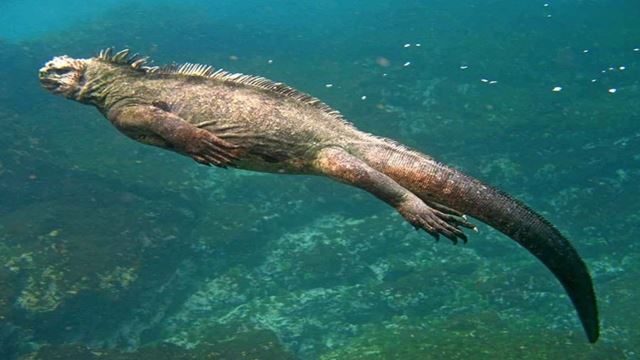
(434, 222)
(344, 167)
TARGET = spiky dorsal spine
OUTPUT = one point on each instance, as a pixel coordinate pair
(139, 63)
(124, 57)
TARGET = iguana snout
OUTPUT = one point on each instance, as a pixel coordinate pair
(63, 75)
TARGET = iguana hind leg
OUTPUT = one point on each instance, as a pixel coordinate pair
(344, 167)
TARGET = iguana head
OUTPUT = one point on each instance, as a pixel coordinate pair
(63, 75)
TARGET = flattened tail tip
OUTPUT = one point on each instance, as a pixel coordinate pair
(593, 332)
(588, 314)
(545, 242)
(577, 282)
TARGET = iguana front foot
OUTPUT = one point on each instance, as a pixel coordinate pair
(155, 126)
(433, 221)
(208, 149)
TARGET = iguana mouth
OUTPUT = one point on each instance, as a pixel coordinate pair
(49, 84)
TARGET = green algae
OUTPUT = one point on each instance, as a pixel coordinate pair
(255, 345)
(59, 257)
(464, 337)
(8, 292)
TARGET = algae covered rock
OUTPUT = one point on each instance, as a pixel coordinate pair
(483, 336)
(258, 344)
(60, 250)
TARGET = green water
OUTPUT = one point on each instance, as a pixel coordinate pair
(110, 249)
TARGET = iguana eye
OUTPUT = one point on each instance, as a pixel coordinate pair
(61, 71)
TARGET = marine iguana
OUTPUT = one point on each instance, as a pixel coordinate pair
(249, 122)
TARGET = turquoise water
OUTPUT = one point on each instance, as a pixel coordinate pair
(114, 250)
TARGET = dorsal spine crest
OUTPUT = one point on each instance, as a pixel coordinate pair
(139, 63)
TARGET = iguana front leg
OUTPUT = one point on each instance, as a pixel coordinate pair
(344, 167)
(154, 126)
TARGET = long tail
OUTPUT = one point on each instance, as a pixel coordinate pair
(437, 183)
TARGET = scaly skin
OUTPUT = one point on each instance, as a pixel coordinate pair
(251, 123)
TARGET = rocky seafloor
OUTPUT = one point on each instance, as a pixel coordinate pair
(113, 250)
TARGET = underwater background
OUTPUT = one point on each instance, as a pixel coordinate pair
(111, 249)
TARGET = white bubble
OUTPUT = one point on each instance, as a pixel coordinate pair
(612, 91)
(363, 97)
(418, 44)
(546, 5)
(493, 82)
(585, 51)
(407, 64)
(407, 45)
(328, 85)
(484, 80)
(622, 68)
(549, 15)
(270, 61)
(636, 49)
(594, 80)
(464, 67)
(557, 89)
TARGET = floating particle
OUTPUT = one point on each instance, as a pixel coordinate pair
(546, 5)
(603, 71)
(594, 80)
(464, 67)
(418, 44)
(407, 64)
(270, 61)
(383, 61)
(622, 68)
(484, 80)
(548, 15)
(557, 89)
(636, 49)
(328, 85)
(363, 97)
(407, 45)
(384, 75)
(493, 82)
(611, 69)
(612, 90)
(585, 51)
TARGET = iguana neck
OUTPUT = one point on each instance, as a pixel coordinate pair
(107, 86)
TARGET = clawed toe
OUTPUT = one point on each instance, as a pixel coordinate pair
(457, 220)
(223, 151)
(444, 209)
(214, 151)
(436, 223)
